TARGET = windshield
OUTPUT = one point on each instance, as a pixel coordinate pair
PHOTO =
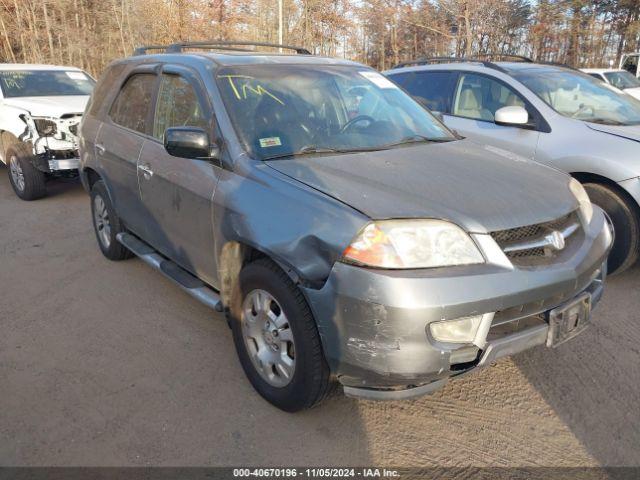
(44, 83)
(283, 110)
(580, 96)
(622, 79)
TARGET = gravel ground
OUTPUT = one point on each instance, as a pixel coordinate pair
(110, 364)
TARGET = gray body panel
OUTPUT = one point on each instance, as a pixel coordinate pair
(177, 199)
(303, 213)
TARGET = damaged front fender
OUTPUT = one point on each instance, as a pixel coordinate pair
(299, 228)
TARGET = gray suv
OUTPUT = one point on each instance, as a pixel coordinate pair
(549, 113)
(349, 236)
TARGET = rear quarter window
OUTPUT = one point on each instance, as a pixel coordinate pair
(432, 89)
(105, 85)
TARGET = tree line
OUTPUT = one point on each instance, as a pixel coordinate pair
(381, 33)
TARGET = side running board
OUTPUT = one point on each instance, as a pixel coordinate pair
(190, 284)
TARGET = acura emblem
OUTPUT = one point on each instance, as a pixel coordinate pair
(555, 239)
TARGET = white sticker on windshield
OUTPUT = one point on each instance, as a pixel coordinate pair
(378, 79)
(76, 75)
(270, 142)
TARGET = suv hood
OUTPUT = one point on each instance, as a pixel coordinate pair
(49, 106)
(631, 132)
(478, 187)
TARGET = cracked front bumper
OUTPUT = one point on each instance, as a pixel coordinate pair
(374, 324)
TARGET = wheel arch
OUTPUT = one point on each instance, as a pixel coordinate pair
(233, 256)
(6, 140)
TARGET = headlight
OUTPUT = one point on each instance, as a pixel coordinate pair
(586, 209)
(413, 244)
(45, 127)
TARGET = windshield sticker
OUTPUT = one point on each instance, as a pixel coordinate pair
(76, 75)
(270, 142)
(378, 79)
(241, 84)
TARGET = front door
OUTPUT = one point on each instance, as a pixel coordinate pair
(177, 193)
(475, 101)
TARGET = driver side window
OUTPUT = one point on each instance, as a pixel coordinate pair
(177, 106)
(479, 97)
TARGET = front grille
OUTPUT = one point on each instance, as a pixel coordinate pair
(531, 245)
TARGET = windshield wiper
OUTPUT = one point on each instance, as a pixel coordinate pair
(606, 121)
(306, 150)
(415, 139)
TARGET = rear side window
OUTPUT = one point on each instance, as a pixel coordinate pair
(177, 106)
(131, 107)
(432, 89)
(597, 76)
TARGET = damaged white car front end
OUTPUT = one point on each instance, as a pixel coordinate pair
(54, 141)
(41, 107)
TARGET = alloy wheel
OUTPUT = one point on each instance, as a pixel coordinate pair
(16, 173)
(268, 338)
(101, 221)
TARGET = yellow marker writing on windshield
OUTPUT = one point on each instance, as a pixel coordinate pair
(258, 89)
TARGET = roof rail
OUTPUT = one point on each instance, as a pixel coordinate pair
(218, 45)
(143, 50)
(432, 60)
(521, 58)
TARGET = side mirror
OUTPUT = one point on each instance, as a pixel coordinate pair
(512, 115)
(189, 142)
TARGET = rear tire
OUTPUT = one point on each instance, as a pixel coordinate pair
(264, 283)
(107, 224)
(27, 181)
(626, 225)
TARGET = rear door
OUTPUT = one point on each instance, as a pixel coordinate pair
(177, 193)
(433, 89)
(475, 101)
(119, 143)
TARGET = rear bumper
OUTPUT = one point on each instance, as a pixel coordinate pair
(374, 324)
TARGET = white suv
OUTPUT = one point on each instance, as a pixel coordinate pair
(40, 110)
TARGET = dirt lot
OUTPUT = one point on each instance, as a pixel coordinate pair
(107, 363)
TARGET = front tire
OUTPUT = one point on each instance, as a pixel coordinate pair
(277, 339)
(626, 225)
(107, 224)
(27, 181)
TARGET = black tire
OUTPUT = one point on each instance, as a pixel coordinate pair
(626, 225)
(27, 181)
(110, 226)
(310, 383)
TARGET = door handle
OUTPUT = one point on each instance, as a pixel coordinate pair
(100, 148)
(146, 171)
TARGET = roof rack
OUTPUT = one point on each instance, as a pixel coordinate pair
(432, 60)
(521, 58)
(218, 45)
(495, 66)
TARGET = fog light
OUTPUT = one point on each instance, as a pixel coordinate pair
(460, 330)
